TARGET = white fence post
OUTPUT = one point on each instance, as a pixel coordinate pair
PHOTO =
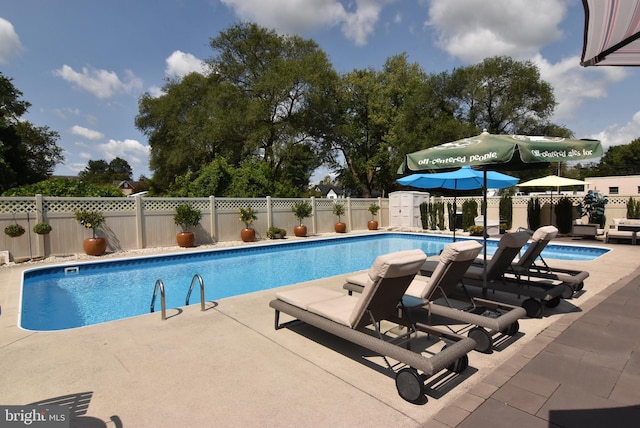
(314, 217)
(139, 210)
(214, 218)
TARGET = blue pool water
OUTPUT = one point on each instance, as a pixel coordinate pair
(68, 296)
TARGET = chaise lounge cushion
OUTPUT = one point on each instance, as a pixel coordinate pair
(349, 310)
(303, 297)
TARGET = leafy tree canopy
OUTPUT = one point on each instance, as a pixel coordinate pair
(28, 153)
(101, 172)
(264, 99)
(64, 187)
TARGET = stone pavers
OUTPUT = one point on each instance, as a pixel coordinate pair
(582, 371)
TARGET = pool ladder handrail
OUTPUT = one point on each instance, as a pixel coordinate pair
(163, 302)
(193, 281)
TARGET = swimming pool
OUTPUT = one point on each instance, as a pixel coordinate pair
(81, 294)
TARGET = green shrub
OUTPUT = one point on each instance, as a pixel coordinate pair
(564, 214)
(276, 233)
(186, 216)
(424, 215)
(506, 210)
(14, 230)
(302, 210)
(592, 206)
(533, 213)
(42, 228)
(469, 213)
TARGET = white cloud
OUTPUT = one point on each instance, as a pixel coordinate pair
(476, 29)
(101, 83)
(574, 85)
(132, 151)
(616, 134)
(297, 16)
(180, 64)
(86, 133)
(9, 42)
(156, 91)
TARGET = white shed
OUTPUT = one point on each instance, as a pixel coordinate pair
(404, 208)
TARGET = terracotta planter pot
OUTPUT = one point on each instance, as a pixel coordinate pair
(300, 231)
(340, 227)
(372, 225)
(248, 234)
(95, 246)
(186, 239)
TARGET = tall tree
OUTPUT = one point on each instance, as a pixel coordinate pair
(382, 116)
(621, 160)
(28, 153)
(502, 95)
(264, 98)
(101, 172)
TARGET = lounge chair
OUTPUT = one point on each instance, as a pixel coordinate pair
(349, 316)
(437, 294)
(509, 246)
(526, 265)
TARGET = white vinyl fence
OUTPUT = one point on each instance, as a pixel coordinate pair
(135, 223)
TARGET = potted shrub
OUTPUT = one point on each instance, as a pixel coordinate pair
(94, 246)
(373, 224)
(475, 230)
(186, 217)
(276, 233)
(593, 206)
(14, 230)
(338, 210)
(247, 216)
(302, 210)
(42, 228)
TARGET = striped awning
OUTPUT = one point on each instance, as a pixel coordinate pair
(611, 32)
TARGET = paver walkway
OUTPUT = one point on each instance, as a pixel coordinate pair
(583, 371)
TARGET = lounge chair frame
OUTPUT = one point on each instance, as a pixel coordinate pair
(500, 319)
(383, 306)
(539, 292)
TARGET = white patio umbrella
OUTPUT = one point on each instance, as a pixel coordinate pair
(554, 182)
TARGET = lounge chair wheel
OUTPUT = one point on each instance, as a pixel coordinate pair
(459, 365)
(482, 338)
(580, 286)
(533, 308)
(553, 302)
(512, 329)
(568, 291)
(409, 384)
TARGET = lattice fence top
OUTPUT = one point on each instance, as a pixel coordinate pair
(234, 204)
(328, 204)
(170, 204)
(103, 205)
(25, 204)
(363, 203)
(17, 205)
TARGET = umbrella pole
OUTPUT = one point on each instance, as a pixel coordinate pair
(484, 234)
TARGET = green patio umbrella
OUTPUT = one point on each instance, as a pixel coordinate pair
(504, 152)
(499, 152)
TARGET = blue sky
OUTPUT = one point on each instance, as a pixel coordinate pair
(84, 64)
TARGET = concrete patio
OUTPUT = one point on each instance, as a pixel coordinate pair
(227, 366)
